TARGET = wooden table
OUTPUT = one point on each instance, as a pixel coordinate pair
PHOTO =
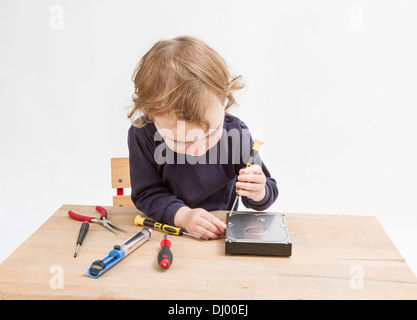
(333, 257)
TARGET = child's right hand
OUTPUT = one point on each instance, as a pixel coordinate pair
(199, 222)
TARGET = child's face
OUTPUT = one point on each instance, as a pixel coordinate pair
(187, 138)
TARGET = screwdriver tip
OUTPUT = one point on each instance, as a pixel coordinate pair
(76, 250)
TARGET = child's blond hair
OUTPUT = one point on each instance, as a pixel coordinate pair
(176, 76)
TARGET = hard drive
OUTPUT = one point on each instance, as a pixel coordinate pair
(257, 234)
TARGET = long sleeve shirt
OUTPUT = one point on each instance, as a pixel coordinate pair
(163, 181)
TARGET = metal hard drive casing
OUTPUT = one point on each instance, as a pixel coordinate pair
(257, 234)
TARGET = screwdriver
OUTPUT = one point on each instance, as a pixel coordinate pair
(140, 221)
(253, 154)
(81, 235)
(165, 255)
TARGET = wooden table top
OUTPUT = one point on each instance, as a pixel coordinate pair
(333, 257)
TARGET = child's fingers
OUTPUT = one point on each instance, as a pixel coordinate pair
(200, 231)
(209, 226)
(252, 174)
(200, 222)
(217, 223)
(254, 195)
(251, 183)
(250, 186)
(254, 169)
(253, 178)
(244, 193)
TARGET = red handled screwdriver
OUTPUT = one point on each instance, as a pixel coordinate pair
(81, 235)
(165, 254)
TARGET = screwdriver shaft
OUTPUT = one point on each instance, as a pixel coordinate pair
(233, 206)
(193, 235)
(76, 250)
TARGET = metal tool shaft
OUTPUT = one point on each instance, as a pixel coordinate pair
(136, 241)
(194, 236)
(76, 250)
(233, 206)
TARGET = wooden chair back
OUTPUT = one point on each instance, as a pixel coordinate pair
(120, 179)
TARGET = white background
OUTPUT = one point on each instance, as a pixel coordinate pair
(331, 87)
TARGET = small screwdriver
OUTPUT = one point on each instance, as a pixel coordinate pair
(253, 154)
(165, 255)
(81, 235)
(140, 221)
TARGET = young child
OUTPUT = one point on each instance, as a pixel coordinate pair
(185, 151)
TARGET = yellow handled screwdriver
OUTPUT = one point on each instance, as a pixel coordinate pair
(253, 154)
(141, 221)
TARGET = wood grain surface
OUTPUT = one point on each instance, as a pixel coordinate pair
(333, 257)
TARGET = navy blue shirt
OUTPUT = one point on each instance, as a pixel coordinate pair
(163, 181)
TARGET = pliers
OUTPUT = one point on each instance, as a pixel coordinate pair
(101, 221)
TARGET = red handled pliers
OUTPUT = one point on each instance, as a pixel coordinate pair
(101, 221)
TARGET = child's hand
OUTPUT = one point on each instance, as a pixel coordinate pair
(199, 222)
(251, 181)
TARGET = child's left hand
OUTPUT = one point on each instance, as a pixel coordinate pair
(251, 181)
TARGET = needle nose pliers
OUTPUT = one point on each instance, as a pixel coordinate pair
(101, 221)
